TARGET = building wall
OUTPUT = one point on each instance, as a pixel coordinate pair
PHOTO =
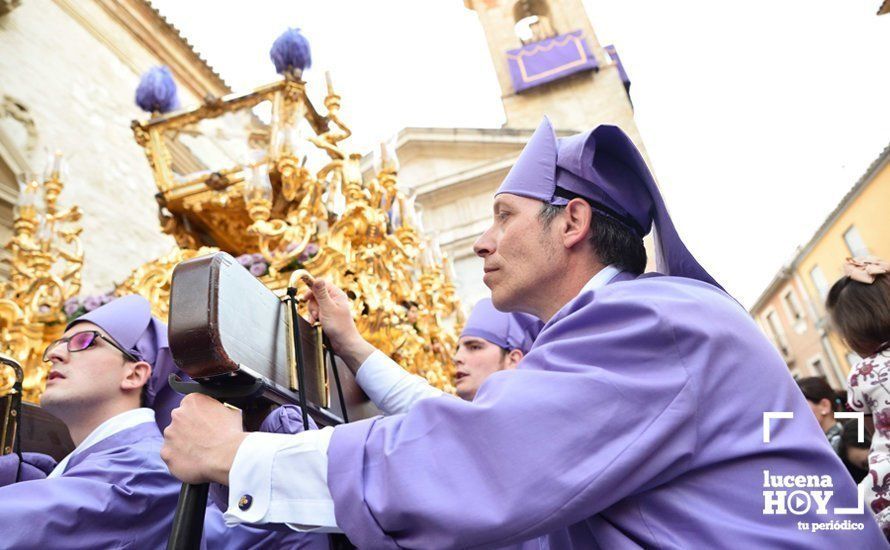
(799, 336)
(75, 68)
(818, 266)
(868, 213)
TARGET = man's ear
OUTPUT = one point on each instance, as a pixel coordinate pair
(577, 218)
(512, 359)
(137, 376)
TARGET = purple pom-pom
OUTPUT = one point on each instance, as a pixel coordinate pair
(259, 269)
(245, 260)
(290, 53)
(71, 306)
(92, 302)
(157, 91)
(257, 257)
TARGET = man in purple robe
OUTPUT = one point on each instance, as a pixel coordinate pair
(108, 383)
(650, 411)
(490, 341)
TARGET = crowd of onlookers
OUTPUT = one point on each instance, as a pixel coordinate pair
(859, 306)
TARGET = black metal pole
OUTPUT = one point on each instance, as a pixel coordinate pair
(188, 522)
(298, 350)
(339, 387)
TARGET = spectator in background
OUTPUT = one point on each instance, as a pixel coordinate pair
(855, 452)
(859, 305)
(822, 400)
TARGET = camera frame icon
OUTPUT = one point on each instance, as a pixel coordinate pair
(789, 415)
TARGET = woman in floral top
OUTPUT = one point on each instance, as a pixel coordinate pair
(859, 304)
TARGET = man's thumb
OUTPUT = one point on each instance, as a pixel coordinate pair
(320, 289)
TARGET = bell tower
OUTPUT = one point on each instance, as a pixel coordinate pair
(549, 62)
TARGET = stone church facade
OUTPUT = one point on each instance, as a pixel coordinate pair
(68, 72)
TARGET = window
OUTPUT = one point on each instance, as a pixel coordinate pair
(18, 139)
(8, 194)
(854, 242)
(817, 367)
(532, 21)
(793, 306)
(778, 335)
(819, 281)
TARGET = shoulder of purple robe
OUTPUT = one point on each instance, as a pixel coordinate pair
(115, 494)
(34, 466)
(642, 399)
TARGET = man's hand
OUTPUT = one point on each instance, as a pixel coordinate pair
(330, 306)
(201, 441)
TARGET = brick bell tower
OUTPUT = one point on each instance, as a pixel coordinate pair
(548, 61)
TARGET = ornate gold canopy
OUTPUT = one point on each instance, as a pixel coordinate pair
(264, 176)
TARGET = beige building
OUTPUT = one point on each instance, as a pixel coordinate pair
(455, 171)
(791, 311)
(68, 73)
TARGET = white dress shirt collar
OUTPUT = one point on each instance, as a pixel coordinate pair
(110, 427)
(601, 279)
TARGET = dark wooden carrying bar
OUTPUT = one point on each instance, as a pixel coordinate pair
(227, 331)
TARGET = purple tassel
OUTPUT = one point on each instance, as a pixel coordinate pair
(290, 53)
(259, 269)
(157, 91)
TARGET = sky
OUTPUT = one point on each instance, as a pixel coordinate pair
(758, 116)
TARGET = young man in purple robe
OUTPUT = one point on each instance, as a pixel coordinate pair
(108, 383)
(490, 341)
(639, 418)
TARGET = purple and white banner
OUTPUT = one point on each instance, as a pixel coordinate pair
(549, 60)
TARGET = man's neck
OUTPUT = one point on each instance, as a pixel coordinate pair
(82, 423)
(568, 287)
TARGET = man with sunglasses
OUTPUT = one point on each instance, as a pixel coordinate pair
(108, 383)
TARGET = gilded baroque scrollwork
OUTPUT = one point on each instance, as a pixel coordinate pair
(364, 234)
(152, 280)
(45, 262)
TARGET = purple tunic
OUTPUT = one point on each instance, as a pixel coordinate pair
(630, 423)
(117, 493)
(114, 494)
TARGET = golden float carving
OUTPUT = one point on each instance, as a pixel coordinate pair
(363, 233)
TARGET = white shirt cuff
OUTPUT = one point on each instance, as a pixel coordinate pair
(393, 389)
(282, 478)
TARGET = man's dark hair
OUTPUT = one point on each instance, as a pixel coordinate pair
(816, 388)
(613, 242)
(861, 313)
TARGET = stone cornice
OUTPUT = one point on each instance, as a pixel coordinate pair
(153, 32)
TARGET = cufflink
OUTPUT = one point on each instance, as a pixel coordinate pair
(244, 502)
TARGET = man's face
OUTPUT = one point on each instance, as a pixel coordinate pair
(474, 361)
(520, 254)
(84, 378)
